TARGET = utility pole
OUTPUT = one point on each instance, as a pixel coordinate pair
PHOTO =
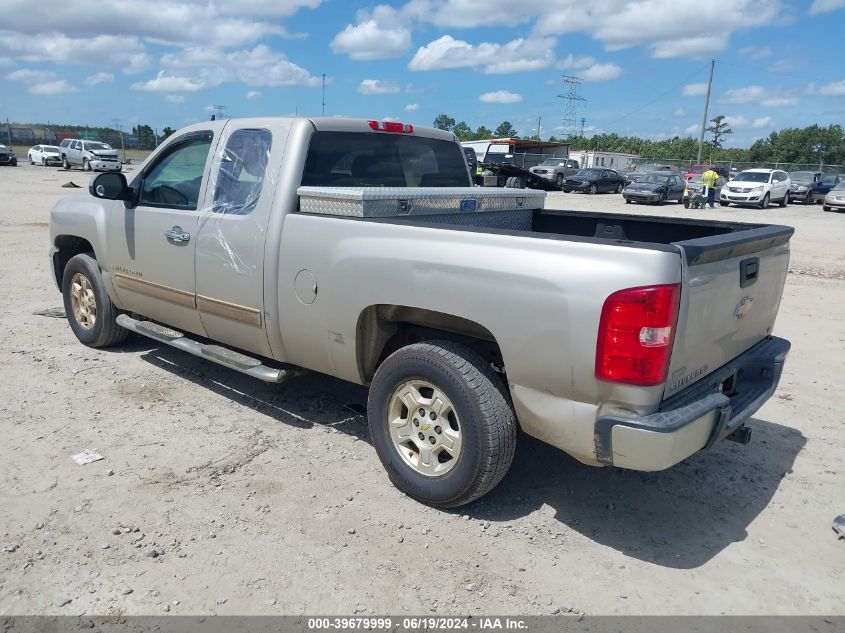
(324, 94)
(706, 107)
(539, 120)
(116, 123)
(583, 120)
(570, 103)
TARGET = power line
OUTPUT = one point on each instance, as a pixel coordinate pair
(570, 104)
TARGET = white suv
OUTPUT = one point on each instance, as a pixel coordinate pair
(758, 187)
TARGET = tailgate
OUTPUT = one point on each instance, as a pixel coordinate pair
(732, 285)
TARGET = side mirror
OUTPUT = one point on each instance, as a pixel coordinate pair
(110, 186)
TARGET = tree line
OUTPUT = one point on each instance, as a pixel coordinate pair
(808, 145)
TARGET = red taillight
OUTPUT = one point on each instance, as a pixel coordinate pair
(636, 331)
(391, 126)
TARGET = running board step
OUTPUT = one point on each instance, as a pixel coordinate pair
(220, 355)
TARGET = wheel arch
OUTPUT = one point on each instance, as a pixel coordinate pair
(66, 247)
(384, 328)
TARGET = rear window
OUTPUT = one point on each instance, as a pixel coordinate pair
(355, 159)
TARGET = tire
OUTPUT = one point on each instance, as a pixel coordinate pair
(784, 201)
(661, 200)
(724, 204)
(43, 162)
(31, 162)
(104, 330)
(619, 188)
(686, 203)
(484, 418)
(86, 166)
(593, 190)
(559, 180)
(627, 201)
(65, 162)
(826, 208)
(764, 203)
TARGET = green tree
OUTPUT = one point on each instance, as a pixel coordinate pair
(444, 122)
(483, 132)
(719, 130)
(505, 130)
(142, 131)
(167, 131)
(462, 131)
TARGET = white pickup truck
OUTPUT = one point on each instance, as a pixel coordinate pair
(360, 250)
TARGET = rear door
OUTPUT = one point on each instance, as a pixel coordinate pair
(731, 292)
(233, 232)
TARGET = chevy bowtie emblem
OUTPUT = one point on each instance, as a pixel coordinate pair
(743, 307)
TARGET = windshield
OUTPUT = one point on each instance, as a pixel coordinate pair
(839, 187)
(3, 147)
(355, 159)
(753, 176)
(590, 173)
(552, 162)
(654, 179)
(802, 176)
(96, 146)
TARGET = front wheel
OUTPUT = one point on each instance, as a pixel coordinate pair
(764, 203)
(65, 162)
(559, 180)
(90, 312)
(593, 190)
(619, 188)
(43, 162)
(86, 166)
(826, 208)
(441, 423)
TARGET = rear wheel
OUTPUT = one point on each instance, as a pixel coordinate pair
(785, 200)
(90, 312)
(764, 203)
(441, 423)
(619, 188)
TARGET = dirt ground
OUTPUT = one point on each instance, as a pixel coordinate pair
(222, 494)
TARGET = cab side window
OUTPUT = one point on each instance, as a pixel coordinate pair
(174, 180)
(241, 173)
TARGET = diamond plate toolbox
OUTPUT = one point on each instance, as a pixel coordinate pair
(387, 202)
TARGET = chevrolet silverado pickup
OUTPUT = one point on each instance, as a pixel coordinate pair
(359, 249)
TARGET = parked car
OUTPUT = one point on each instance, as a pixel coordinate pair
(694, 188)
(757, 187)
(644, 170)
(556, 169)
(7, 156)
(594, 180)
(44, 155)
(835, 198)
(648, 361)
(802, 188)
(89, 155)
(825, 184)
(655, 188)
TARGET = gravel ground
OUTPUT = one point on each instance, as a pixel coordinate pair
(222, 494)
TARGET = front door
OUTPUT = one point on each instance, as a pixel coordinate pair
(153, 244)
(232, 233)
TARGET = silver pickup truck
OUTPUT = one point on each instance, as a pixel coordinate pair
(359, 249)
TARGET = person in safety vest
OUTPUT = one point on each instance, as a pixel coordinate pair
(708, 179)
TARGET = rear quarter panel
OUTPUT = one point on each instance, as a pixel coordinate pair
(540, 298)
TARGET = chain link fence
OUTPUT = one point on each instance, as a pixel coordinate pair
(683, 165)
(134, 145)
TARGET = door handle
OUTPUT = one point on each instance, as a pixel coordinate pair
(177, 235)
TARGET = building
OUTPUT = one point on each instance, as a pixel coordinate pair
(611, 160)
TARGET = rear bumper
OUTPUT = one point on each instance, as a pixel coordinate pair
(698, 417)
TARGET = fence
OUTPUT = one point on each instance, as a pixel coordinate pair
(524, 159)
(736, 165)
(28, 136)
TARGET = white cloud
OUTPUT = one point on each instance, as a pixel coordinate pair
(174, 99)
(57, 87)
(41, 82)
(600, 72)
(826, 6)
(756, 52)
(691, 46)
(411, 107)
(836, 88)
(379, 35)
(200, 67)
(760, 96)
(679, 112)
(127, 53)
(377, 87)
(763, 121)
(693, 129)
(170, 83)
(571, 61)
(694, 90)
(98, 78)
(500, 96)
(736, 121)
(518, 55)
(253, 94)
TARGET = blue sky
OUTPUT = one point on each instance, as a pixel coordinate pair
(643, 63)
